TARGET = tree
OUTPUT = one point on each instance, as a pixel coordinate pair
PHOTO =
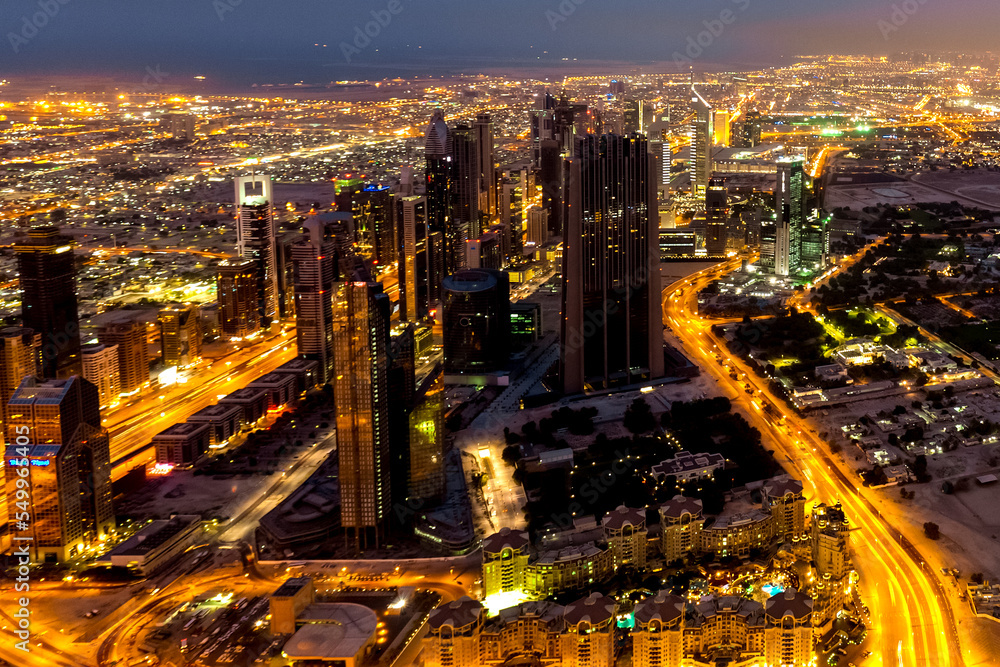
(932, 531)
(639, 417)
(511, 454)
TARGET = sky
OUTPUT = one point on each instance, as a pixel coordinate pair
(270, 41)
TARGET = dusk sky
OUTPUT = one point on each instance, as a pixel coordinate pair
(248, 41)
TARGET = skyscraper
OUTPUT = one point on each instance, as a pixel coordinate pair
(748, 132)
(487, 169)
(373, 224)
(612, 333)
(421, 260)
(236, 290)
(181, 126)
(256, 239)
(100, 368)
(54, 430)
(129, 335)
(465, 184)
(720, 128)
(361, 393)
(476, 304)
(180, 335)
(633, 117)
(701, 143)
(48, 299)
(815, 240)
(314, 259)
(20, 356)
(789, 205)
(542, 126)
(716, 216)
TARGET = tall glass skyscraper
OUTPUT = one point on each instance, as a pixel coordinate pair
(789, 205)
(716, 216)
(54, 430)
(361, 393)
(48, 299)
(701, 143)
(256, 239)
(612, 331)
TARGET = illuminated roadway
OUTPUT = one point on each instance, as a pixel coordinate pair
(912, 623)
(133, 426)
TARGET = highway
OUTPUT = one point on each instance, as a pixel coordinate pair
(912, 623)
(132, 427)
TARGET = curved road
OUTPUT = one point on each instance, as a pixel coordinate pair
(912, 621)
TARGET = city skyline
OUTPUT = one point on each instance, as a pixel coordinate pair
(315, 42)
(596, 363)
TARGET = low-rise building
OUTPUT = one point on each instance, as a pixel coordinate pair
(156, 544)
(687, 467)
(581, 634)
(251, 400)
(305, 372)
(279, 387)
(182, 444)
(224, 422)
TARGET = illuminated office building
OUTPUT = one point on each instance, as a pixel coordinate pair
(236, 291)
(426, 483)
(47, 276)
(54, 430)
(361, 393)
(701, 143)
(421, 261)
(100, 368)
(128, 334)
(20, 357)
(372, 211)
(612, 332)
(720, 128)
(314, 262)
(180, 335)
(256, 239)
(790, 204)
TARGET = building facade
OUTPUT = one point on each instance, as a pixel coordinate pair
(54, 431)
(47, 276)
(612, 331)
(236, 290)
(361, 393)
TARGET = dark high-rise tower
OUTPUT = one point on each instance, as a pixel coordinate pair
(465, 183)
(487, 169)
(612, 332)
(256, 239)
(476, 304)
(420, 260)
(542, 127)
(716, 216)
(361, 393)
(439, 173)
(314, 260)
(748, 132)
(48, 299)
